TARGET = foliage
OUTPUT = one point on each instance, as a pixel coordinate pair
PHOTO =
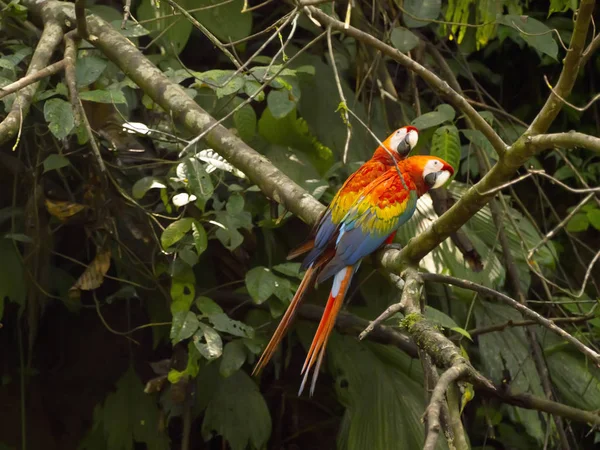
(172, 235)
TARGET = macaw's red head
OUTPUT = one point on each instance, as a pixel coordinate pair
(401, 142)
(428, 172)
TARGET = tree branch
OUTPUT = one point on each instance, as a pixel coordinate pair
(566, 140)
(568, 75)
(50, 39)
(433, 80)
(32, 78)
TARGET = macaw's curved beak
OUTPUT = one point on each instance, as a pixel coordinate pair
(437, 179)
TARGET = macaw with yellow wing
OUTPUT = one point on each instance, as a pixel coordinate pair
(395, 148)
(380, 208)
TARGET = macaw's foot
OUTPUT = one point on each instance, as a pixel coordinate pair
(392, 246)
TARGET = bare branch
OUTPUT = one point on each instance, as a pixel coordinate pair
(52, 69)
(565, 140)
(595, 357)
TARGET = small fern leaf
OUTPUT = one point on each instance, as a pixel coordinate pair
(446, 145)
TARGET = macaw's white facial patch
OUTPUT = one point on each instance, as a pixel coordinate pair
(434, 175)
(398, 138)
(412, 138)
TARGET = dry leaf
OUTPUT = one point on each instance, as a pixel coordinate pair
(63, 210)
(94, 274)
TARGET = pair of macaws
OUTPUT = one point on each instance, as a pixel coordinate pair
(364, 214)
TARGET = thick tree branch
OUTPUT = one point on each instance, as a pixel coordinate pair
(433, 80)
(566, 140)
(50, 39)
(568, 75)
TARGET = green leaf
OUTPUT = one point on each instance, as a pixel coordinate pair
(185, 324)
(175, 232)
(562, 6)
(250, 89)
(222, 322)
(579, 222)
(131, 30)
(208, 342)
(200, 238)
(227, 21)
(446, 145)
(279, 103)
(594, 217)
(234, 357)
(440, 317)
(404, 39)
(127, 416)
(424, 10)
(534, 32)
(462, 331)
(291, 269)
(245, 122)
(207, 306)
(478, 138)
(143, 185)
(443, 113)
(260, 283)
(174, 31)
(235, 410)
(235, 204)
(59, 115)
(199, 182)
(102, 96)
(509, 351)
(54, 162)
(88, 69)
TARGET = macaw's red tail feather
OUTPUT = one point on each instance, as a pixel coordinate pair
(301, 250)
(341, 282)
(286, 320)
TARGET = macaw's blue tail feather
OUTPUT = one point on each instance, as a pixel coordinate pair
(341, 282)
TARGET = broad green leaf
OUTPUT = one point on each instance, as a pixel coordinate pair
(59, 115)
(245, 122)
(509, 351)
(102, 96)
(128, 416)
(88, 69)
(440, 317)
(291, 269)
(185, 324)
(260, 283)
(594, 217)
(443, 113)
(54, 162)
(462, 331)
(131, 30)
(175, 232)
(143, 185)
(279, 102)
(534, 32)
(174, 31)
(418, 13)
(478, 138)
(446, 145)
(404, 39)
(579, 222)
(208, 342)
(235, 410)
(223, 82)
(251, 87)
(200, 238)
(207, 306)
(222, 322)
(562, 6)
(199, 182)
(227, 22)
(234, 356)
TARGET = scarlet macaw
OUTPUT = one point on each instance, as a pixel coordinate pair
(380, 208)
(396, 147)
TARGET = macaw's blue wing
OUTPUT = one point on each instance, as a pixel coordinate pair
(383, 208)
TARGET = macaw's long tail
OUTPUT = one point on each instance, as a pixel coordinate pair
(307, 282)
(341, 282)
(302, 249)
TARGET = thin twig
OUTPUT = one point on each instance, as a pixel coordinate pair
(436, 278)
(52, 69)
